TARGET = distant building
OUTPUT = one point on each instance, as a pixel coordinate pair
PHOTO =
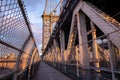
(8, 61)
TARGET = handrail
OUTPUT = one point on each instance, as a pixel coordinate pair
(6, 76)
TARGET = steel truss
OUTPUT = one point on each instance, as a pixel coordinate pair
(89, 59)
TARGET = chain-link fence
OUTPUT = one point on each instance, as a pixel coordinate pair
(16, 39)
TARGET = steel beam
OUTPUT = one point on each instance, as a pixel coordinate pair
(83, 48)
(100, 19)
(62, 45)
(33, 56)
(111, 59)
(19, 56)
(94, 46)
(21, 5)
(6, 44)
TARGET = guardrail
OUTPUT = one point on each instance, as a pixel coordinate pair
(71, 70)
(17, 43)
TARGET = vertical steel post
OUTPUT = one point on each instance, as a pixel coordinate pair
(95, 48)
(94, 45)
(77, 65)
(83, 48)
(55, 52)
(62, 43)
(111, 59)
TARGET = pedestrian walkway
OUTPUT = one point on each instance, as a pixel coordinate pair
(46, 72)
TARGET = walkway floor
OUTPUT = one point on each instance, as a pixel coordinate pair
(46, 72)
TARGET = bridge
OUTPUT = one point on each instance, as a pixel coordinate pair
(83, 45)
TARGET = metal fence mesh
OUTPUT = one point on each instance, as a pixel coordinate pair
(13, 32)
(13, 29)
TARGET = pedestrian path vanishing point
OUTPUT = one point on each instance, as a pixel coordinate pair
(45, 72)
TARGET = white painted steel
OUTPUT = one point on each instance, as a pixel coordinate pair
(104, 25)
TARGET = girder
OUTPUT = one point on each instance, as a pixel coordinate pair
(72, 36)
(101, 20)
(95, 53)
(91, 37)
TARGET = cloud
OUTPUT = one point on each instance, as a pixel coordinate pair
(33, 3)
(35, 10)
(99, 41)
(37, 32)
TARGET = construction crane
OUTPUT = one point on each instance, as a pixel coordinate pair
(49, 19)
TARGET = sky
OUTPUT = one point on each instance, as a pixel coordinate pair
(35, 10)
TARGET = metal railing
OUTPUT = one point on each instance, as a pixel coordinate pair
(17, 43)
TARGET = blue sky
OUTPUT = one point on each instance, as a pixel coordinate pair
(35, 10)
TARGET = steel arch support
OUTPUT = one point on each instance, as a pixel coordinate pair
(33, 56)
(19, 56)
